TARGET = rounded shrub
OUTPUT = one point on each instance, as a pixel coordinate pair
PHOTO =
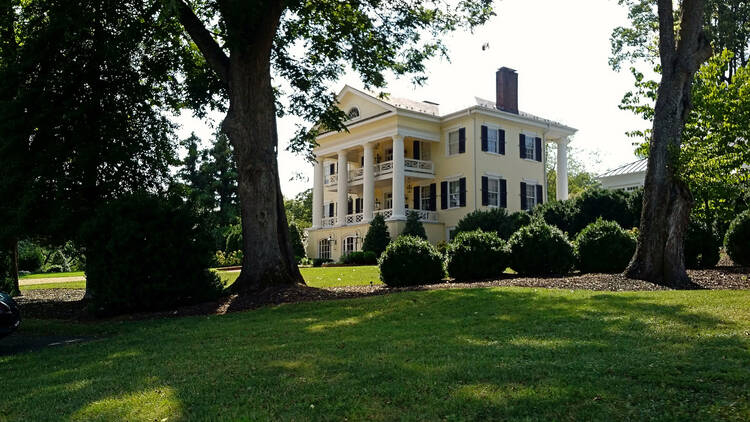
(476, 255)
(147, 252)
(560, 214)
(540, 249)
(377, 237)
(30, 256)
(701, 246)
(493, 220)
(410, 261)
(360, 258)
(737, 239)
(604, 247)
(596, 203)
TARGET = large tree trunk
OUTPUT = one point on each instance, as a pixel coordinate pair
(659, 256)
(16, 288)
(268, 260)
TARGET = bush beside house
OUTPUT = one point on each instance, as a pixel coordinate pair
(377, 237)
(411, 261)
(495, 220)
(540, 249)
(702, 246)
(737, 239)
(604, 247)
(414, 227)
(476, 255)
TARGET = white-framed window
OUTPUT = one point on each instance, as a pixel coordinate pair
(424, 151)
(350, 245)
(453, 141)
(493, 140)
(454, 194)
(353, 113)
(424, 197)
(530, 147)
(531, 199)
(388, 200)
(324, 249)
(493, 191)
(389, 154)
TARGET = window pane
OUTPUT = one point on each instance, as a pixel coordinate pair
(492, 185)
(529, 147)
(492, 140)
(453, 143)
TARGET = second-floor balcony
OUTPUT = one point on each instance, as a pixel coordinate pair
(355, 219)
(412, 167)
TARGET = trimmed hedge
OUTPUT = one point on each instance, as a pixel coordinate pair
(540, 249)
(377, 237)
(737, 239)
(410, 261)
(604, 247)
(147, 252)
(702, 246)
(495, 220)
(477, 255)
(414, 227)
(360, 258)
(561, 214)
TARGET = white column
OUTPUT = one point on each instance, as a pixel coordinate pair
(562, 168)
(368, 187)
(399, 211)
(343, 188)
(317, 211)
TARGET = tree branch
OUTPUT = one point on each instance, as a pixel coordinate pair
(208, 46)
(666, 34)
(693, 48)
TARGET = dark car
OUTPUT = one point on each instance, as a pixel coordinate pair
(10, 315)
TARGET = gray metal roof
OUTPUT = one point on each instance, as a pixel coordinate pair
(635, 167)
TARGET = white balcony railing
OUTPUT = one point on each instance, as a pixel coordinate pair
(354, 218)
(328, 222)
(386, 167)
(387, 213)
(427, 216)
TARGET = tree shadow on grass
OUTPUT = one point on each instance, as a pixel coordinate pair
(448, 354)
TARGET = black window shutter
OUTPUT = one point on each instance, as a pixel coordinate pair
(416, 197)
(358, 205)
(416, 150)
(538, 149)
(524, 203)
(330, 209)
(485, 193)
(501, 141)
(462, 192)
(522, 145)
(539, 194)
(362, 161)
(462, 140)
(433, 197)
(443, 195)
(484, 138)
(349, 206)
(333, 169)
(503, 193)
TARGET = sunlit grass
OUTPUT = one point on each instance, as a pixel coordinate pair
(327, 276)
(480, 354)
(60, 285)
(53, 275)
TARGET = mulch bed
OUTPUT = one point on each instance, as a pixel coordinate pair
(68, 304)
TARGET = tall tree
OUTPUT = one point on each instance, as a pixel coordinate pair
(307, 43)
(667, 201)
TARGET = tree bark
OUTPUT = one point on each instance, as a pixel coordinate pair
(250, 125)
(659, 256)
(14, 268)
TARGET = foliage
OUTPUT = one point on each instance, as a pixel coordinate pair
(579, 178)
(414, 227)
(702, 245)
(299, 209)
(737, 239)
(600, 203)
(561, 214)
(411, 261)
(231, 259)
(377, 237)
(148, 252)
(360, 258)
(295, 237)
(495, 220)
(477, 255)
(318, 262)
(7, 281)
(604, 247)
(30, 256)
(233, 238)
(540, 249)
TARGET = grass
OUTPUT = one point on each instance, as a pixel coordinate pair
(328, 276)
(480, 354)
(61, 285)
(53, 275)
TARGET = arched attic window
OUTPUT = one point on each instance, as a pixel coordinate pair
(353, 113)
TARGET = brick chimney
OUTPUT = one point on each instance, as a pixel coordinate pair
(507, 90)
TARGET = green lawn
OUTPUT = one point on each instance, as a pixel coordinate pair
(480, 354)
(328, 276)
(62, 285)
(53, 275)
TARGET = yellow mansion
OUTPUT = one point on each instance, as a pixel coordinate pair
(401, 155)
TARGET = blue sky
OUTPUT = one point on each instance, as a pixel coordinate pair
(560, 50)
